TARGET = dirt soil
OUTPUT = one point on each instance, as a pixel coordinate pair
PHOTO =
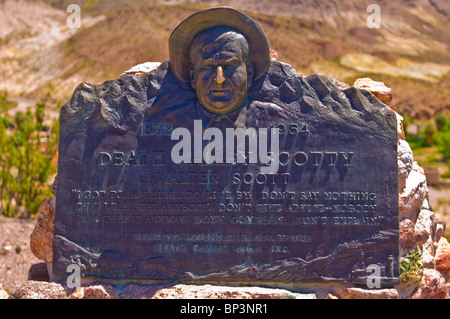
(15, 253)
(440, 202)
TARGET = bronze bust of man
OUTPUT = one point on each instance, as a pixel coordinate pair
(220, 52)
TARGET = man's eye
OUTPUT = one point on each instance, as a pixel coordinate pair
(231, 65)
(208, 66)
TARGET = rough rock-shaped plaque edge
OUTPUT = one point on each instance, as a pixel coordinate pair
(118, 105)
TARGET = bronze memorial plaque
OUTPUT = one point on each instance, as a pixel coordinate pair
(222, 165)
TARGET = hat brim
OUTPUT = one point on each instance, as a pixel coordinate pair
(181, 38)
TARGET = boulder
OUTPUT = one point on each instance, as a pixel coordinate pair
(384, 94)
(405, 163)
(414, 193)
(219, 292)
(3, 293)
(360, 293)
(443, 255)
(407, 238)
(94, 292)
(39, 290)
(41, 239)
(432, 286)
(425, 226)
(273, 55)
(381, 91)
(135, 291)
(143, 68)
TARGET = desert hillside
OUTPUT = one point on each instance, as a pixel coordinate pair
(409, 52)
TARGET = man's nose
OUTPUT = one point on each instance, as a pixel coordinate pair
(219, 75)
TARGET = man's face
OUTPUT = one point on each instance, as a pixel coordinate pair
(220, 73)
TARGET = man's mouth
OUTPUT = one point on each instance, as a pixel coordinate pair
(219, 92)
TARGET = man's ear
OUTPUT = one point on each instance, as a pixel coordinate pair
(191, 75)
(250, 73)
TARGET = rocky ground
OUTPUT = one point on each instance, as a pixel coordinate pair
(15, 253)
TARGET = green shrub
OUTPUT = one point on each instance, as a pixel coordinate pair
(430, 131)
(27, 148)
(5, 104)
(447, 174)
(442, 139)
(411, 266)
(440, 120)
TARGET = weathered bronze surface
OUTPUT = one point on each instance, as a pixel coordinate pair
(147, 188)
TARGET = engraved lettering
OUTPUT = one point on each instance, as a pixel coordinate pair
(104, 159)
(165, 219)
(209, 248)
(250, 178)
(149, 129)
(158, 158)
(118, 159)
(170, 248)
(259, 219)
(332, 157)
(346, 158)
(248, 250)
(317, 157)
(300, 159)
(279, 249)
(209, 219)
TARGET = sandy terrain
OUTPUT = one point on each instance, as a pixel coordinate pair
(15, 253)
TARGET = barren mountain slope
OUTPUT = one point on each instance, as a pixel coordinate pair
(410, 52)
(32, 57)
